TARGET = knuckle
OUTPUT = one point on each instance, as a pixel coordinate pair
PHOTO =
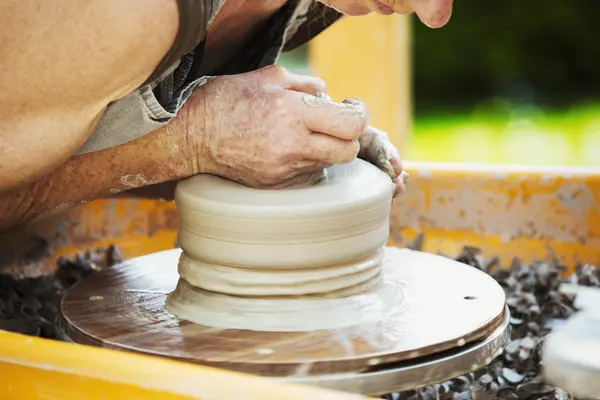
(278, 72)
(279, 102)
(276, 155)
(320, 83)
(294, 148)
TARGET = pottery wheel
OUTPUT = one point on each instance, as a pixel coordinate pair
(295, 284)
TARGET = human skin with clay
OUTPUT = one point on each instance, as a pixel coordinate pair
(71, 72)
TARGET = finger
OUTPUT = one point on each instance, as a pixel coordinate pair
(329, 149)
(399, 187)
(396, 163)
(342, 120)
(296, 82)
(377, 148)
(400, 183)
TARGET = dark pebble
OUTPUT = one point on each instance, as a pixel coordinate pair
(30, 305)
(486, 379)
(512, 376)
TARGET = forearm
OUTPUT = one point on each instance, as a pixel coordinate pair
(158, 157)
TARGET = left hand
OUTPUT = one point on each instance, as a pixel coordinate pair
(376, 148)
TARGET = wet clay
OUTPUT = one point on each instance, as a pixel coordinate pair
(306, 258)
(437, 304)
(365, 303)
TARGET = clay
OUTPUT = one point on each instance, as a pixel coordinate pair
(340, 215)
(291, 282)
(396, 295)
(283, 260)
(571, 354)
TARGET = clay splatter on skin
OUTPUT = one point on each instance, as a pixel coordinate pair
(134, 181)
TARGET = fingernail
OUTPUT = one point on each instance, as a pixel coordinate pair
(390, 170)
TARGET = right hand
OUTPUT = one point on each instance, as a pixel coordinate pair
(267, 129)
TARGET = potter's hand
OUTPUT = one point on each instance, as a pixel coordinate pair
(376, 148)
(268, 129)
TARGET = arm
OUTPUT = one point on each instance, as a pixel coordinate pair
(256, 128)
(141, 162)
(62, 62)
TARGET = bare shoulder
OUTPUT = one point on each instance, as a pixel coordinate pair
(74, 48)
(62, 63)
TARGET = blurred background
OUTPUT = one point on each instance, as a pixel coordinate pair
(504, 82)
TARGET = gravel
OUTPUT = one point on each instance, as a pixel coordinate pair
(30, 306)
(536, 306)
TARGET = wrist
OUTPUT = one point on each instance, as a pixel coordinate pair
(194, 132)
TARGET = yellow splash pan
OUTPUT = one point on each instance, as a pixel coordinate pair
(531, 213)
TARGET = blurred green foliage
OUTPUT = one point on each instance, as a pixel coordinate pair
(535, 51)
(509, 81)
(507, 133)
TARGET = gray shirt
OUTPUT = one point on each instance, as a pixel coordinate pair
(157, 102)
